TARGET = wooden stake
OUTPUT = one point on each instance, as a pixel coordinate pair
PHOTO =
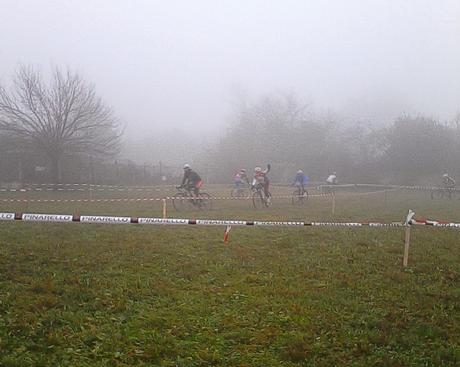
(164, 208)
(27, 201)
(406, 246)
(333, 203)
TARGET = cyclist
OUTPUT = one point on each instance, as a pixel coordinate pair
(240, 178)
(447, 181)
(301, 180)
(260, 176)
(332, 179)
(191, 180)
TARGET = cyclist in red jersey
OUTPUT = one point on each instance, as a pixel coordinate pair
(260, 176)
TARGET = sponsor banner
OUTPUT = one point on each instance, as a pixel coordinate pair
(443, 224)
(104, 219)
(6, 216)
(47, 217)
(162, 221)
(332, 224)
(212, 222)
(268, 223)
(394, 224)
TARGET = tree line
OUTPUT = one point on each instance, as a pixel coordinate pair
(62, 131)
(285, 132)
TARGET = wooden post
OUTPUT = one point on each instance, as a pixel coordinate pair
(27, 201)
(164, 208)
(90, 193)
(406, 246)
(333, 203)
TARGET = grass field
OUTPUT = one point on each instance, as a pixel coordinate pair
(130, 295)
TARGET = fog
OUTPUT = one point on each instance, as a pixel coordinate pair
(177, 63)
(181, 69)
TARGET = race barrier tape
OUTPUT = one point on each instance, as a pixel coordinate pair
(169, 198)
(96, 187)
(101, 219)
(7, 216)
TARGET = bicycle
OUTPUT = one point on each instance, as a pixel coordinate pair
(259, 200)
(327, 190)
(443, 193)
(299, 196)
(184, 199)
(239, 192)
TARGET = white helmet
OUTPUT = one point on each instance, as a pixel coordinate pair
(445, 175)
(257, 169)
(299, 171)
(186, 166)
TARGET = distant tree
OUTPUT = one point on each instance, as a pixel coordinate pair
(63, 117)
(419, 147)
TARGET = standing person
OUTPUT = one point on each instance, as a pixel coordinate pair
(301, 180)
(191, 180)
(260, 176)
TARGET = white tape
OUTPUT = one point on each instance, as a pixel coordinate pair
(333, 224)
(211, 222)
(104, 219)
(6, 216)
(393, 224)
(268, 223)
(162, 221)
(47, 217)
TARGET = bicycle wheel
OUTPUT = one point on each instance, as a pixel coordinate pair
(204, 201)
(238, 193)
(267, 200)
(258, 200)
(297, 198)
(437, 194)
(302, 199)
(180, 201)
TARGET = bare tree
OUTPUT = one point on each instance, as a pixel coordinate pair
(61, 118)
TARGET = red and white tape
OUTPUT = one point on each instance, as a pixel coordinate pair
(97, 187)
(169, 198)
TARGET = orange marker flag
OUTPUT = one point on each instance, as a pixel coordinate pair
(227, 234)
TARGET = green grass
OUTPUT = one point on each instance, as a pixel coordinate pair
(131, 295)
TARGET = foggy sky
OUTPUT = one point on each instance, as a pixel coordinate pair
(180, 64)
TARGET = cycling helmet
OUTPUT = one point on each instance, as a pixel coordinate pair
(299, 171)
(445, 175)
(242, 170)
(257, 169)
(187, 166)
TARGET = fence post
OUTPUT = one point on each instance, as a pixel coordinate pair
(406, 246)
(164, 208)
(27, 201)
(333, 203)
(407, 223)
